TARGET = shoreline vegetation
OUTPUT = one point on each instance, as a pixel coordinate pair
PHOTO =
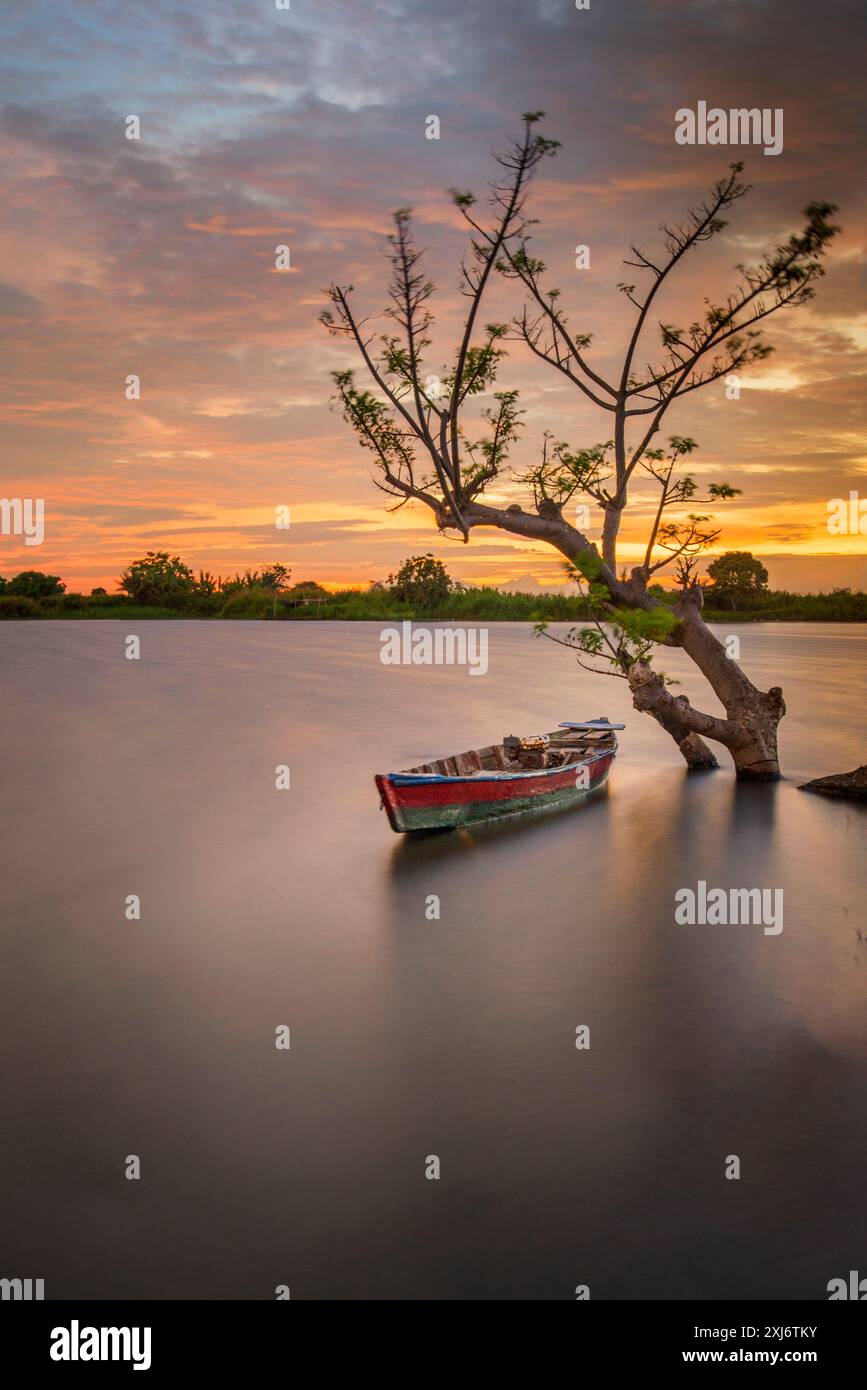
(162, 586)
(470, 605)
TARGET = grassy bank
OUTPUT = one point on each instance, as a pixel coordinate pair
(470, 605)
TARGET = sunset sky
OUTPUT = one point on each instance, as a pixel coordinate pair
(306, 127)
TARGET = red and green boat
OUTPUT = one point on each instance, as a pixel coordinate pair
(517, 775)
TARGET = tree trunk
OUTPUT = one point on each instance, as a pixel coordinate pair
(670, 717)
(749, 730)
(610, 529)
(755, 713)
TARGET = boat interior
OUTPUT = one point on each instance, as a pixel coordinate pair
(558, 749)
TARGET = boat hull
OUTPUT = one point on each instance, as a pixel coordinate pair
(422, 802)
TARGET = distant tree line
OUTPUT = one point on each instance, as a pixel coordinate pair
(161, 585)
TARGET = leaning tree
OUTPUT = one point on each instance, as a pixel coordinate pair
(414, 423)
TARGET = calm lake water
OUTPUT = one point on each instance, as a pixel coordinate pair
(412, 1037)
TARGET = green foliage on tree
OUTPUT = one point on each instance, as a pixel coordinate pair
(736, 575)
(307, 588)
(34, 584)
(619, 637)
(275, 577)
(159, 578)
(422, 581)
(206, 584)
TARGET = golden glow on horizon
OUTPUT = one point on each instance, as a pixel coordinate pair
(158, 258)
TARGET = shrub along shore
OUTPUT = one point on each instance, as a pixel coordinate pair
(377, 605)
(161, 585)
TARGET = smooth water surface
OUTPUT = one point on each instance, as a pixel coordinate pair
(413, 1037)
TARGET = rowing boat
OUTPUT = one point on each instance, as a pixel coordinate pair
(519, 774)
